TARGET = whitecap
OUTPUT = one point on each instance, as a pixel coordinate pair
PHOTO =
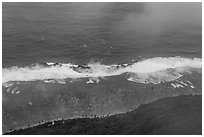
(182, 83)
(192, 86)
(60, 81)
(176, 85)
(189, 82)
(50, 63)
(14, 90)
(89, 81)
(49, 81)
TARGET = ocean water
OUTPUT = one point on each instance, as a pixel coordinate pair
(67, 60)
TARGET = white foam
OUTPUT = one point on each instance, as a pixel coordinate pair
(7, 85)
(183, 83)
(49, 81)
(17, 92)
(50, 63)
(176, 85)
(159, 64)
(14, 90)
(189, 82)
(30, 103)
(9, 89)
(192, 86)
(60, 81)
(153, 70)
(89, 81)
(154, 77)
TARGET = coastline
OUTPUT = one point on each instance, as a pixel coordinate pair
(171, 115)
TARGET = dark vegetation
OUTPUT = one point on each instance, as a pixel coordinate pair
(174, 115)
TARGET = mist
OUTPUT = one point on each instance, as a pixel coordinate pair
(158, 17)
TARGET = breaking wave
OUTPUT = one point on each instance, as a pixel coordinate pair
(152, 70)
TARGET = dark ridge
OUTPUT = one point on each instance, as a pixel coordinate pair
(172, 115)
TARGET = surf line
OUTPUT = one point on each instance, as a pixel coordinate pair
(153, 70)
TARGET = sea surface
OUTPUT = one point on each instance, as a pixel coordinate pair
(67, 60)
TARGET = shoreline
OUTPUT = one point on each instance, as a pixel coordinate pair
(164, 103)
